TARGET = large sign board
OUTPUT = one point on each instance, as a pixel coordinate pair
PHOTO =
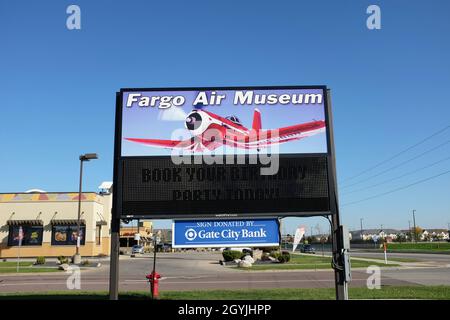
(207, 152)
(225, 233)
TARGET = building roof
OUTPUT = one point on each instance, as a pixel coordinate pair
(49, 196)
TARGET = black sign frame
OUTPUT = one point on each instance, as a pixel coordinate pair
(119, 162)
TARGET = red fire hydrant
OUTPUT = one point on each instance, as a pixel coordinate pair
(153, 279)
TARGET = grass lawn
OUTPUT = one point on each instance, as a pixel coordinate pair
(24, 267)
(386, 292)
(421, 246)
(8, 264)
(302, 262)
(397, 259)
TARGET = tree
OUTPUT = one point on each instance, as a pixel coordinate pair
(417, 232)
(401, 237)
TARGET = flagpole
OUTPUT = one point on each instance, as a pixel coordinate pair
(18, 251)
(18, 257)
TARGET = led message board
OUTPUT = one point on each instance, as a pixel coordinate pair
(206, 152)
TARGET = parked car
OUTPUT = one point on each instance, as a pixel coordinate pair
(307, 248)
(167, 247)
(137, 249)
(163, 247)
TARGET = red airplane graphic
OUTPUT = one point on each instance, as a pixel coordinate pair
(210, 131)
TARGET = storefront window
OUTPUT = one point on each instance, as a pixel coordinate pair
(32, 235)
(67, 235)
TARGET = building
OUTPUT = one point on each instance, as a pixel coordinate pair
(434, 235)
(164, 235)
(145, 231)
(371, 234)
(48, 221)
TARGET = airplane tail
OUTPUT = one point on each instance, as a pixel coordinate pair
(256, 125)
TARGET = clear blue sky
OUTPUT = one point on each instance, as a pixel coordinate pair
(389, 86)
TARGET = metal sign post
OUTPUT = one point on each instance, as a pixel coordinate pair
(115, 222)
(154, 257)
(20, 244)
(337, 236)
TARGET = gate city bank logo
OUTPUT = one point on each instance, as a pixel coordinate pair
(190, 234)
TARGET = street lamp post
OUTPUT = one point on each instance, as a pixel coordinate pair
(414, 225)
(83, 157)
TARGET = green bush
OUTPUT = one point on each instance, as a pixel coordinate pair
(40, 260)
(231, 255)
(63, 260)
(285, 256)
(275, 254)
(85, 262)
(282, 257)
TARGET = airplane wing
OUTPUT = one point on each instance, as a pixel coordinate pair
(193, 144)
(265, 138)
(303, 130)
(170, 144)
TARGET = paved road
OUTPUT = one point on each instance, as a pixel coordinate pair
(423, 257)
(191, 271)
(431, 258)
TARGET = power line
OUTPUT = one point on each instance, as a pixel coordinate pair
(398, 177)
(396, 166)
(398, 154)
(397, 189)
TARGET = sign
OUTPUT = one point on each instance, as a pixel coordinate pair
(26, 235)
(224, 233)
(299, 233)
(209, 152)
(63, 235)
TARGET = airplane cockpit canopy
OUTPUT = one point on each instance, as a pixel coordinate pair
(234, 119)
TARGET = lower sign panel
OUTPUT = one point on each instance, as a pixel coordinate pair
(156, 187)
(225, 233)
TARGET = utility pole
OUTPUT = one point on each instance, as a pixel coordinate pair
(409, 229)
(414, 224)
(361, 221)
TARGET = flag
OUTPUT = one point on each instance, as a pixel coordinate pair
(20, 235)
(298, 237)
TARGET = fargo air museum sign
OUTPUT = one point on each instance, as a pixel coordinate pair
(204, 152)
(247, 155)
